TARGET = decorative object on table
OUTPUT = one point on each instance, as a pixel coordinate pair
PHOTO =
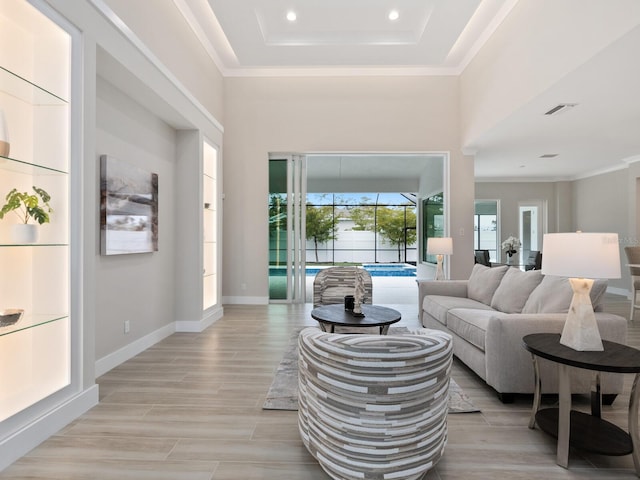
(440, 247)
(4, 136)
(27, 206)
(10, 316)
(358, 296)
(583, 257)
(128, 208)
(349, 302)
(510, 247)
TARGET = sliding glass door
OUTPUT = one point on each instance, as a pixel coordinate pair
(287, 194)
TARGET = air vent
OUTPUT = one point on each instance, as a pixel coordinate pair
(562, 107)
(549, 155)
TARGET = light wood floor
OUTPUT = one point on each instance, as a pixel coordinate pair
(189, 408)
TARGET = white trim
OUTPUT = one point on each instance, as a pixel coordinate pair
(193, 23)
(240, 300)
(486, 34)
(36, 432)
(112, 360)
(197, 326)
(326, 71)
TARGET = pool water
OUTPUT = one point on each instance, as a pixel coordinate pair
(374, 269)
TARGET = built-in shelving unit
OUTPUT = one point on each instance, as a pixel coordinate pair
(209, 226)
(35, 352)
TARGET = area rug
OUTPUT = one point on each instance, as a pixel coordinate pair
(283, 393)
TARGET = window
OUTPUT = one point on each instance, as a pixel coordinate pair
(432, 222)
(485, 226)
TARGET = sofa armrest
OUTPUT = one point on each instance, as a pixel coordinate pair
(450, 288)
(508, 363)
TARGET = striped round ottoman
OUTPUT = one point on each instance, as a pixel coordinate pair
(374, 406)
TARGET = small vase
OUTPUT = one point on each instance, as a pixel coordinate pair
(24, 233)
(4, 136)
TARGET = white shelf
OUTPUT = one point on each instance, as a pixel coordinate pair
(209, 226)
(35, 352)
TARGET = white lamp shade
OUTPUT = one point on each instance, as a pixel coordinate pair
(581, 255)
(440, 246)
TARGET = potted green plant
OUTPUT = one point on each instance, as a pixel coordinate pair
(27, 206)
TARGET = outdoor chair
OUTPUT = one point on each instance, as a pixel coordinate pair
(633, 259)
(374, 406)
(332, 284)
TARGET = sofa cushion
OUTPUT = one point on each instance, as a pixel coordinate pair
(554, 294)
(514, 290)
(438, 305)
(471, 324)
(484, 281)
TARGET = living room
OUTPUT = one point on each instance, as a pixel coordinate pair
(147, 82)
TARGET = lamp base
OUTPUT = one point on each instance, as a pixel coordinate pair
(439, 270)
(581, 329)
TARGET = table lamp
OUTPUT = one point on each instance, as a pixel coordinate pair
(583, 257)
(439, 246)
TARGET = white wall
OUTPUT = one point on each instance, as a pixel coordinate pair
(163, 29)
(332, 114)
(516, 64)
(137, 287)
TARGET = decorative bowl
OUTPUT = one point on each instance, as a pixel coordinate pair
(10, 316)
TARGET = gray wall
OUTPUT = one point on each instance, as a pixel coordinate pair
(137, 287)
(600, 205)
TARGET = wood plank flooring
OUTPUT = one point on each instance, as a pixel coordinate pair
(190, 408)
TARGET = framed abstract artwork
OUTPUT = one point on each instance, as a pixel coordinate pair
(128, 208)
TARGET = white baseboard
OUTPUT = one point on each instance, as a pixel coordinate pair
(245, 300)
(197, 326)
(41, 428)
(104, 364)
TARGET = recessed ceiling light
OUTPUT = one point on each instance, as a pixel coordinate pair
(394, 15)
(291, 16)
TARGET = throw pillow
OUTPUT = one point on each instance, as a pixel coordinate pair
(514, 290)
(554, 294)
(484, 281)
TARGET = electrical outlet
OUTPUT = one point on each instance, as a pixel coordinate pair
(127, 326)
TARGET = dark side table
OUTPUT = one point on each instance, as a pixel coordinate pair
(578, 429)
(330, 316)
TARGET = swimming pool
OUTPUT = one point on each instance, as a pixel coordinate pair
(375, 269)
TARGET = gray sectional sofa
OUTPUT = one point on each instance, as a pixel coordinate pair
(489, 314)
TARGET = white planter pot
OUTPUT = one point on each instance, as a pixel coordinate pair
(24, 233)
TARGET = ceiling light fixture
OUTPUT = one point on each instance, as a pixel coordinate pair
(394, 15)
(291, 16)
(549, 155)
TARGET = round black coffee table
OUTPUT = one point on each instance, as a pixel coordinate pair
(330, 316)
(581, 430)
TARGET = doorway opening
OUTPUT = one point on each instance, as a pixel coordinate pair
(322, 212)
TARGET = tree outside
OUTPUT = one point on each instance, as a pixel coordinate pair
(321, 226)
(396, 225)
